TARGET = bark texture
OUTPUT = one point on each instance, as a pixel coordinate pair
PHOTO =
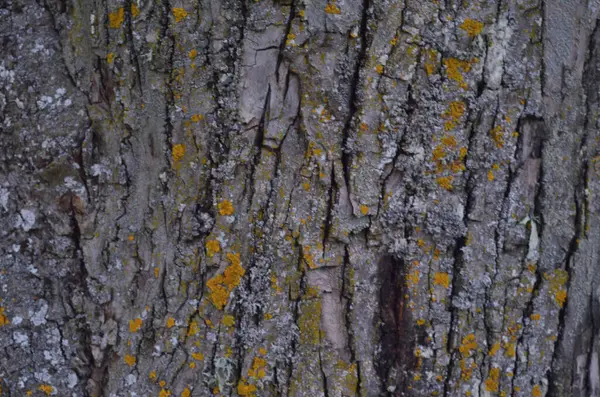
(305, 198)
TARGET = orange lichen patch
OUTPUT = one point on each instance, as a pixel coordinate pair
(178, 152)
(490, 175)
(198, 356)
(331, 8)
(156, 272)
(494, 349)
(213, 247)
(306, 186)
(394, 41)
(420, 322)
(192, 55)
(445, 182)
(245, 389)
(110, 57)
(455, 69)
(196, 118)
(262, 351)
(221, 286)
(186, 392)
(3, 319)
(116, 18)
(135, 325)
(492, 383)
(364, 209)
(170, 322)
(152, 375)
(258, 369)
(179, 14)
(558, 280)
(379, 69)
(536, 391)
(162, 383)
(536, 317)
(441, 278)
(129, 360)
(497, 136)
(228, 320)
(46, 389)
(225, 208)
(472, 27)
(468, 345)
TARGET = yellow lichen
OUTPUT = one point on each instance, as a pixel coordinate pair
(308, 257)
(468, 344)
(441, 278)
(472, 27)
(490, 175)
(536, 317)
(129, 360)
(110, 57)
(379, 69)
(46, 389)
(179, 14)
(186, 392)
(198, 356)
(116, 18)
(164, 393)
(454, 113)
(331, 8)
(178, 152)
(364, 209)
(558, 280)
(3, 319)
(492, 383)
(258, 369)
(228, 320)
(289, 40)
(135, 11)
(170, 322)
(225, 208)
(213, 247)
(221, 286)
(152, 375)
(245, 389)
(445, 182)
(497, 136)
(430, 63)
(196, 118)
(455, 69)
(135, 325)
(420, 321)
(494, 349)
(536, 391)
(192, 55)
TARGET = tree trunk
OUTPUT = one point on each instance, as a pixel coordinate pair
(305, 198)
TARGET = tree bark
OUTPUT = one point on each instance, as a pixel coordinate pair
(299, 198)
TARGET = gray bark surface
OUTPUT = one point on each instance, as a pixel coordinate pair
(305, 198)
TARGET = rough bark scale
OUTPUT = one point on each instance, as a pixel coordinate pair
(360, 197)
